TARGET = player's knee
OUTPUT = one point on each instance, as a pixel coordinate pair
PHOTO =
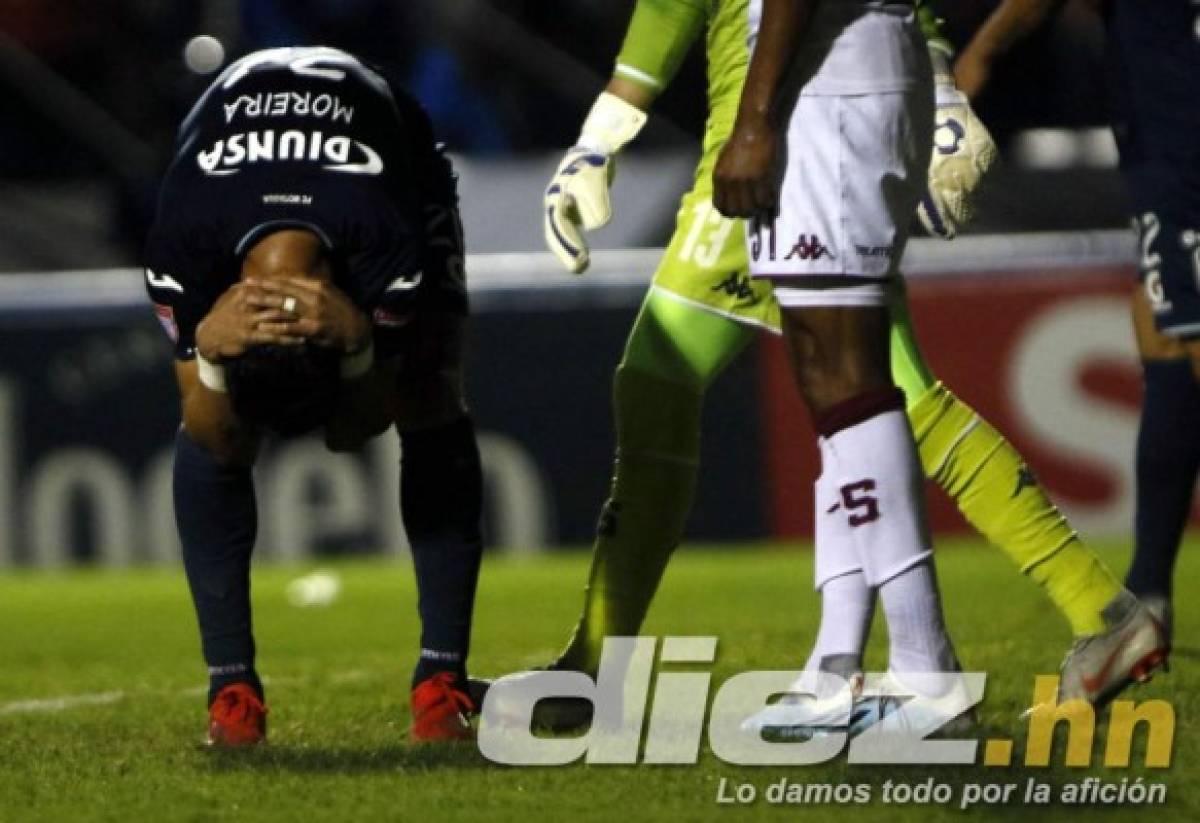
(826, 381)
(428, 402)
(229, 443)
(656, 414)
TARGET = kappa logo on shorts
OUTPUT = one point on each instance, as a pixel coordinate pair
(809, 247)
(736, 285)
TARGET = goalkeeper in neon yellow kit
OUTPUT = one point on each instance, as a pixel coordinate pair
(703, 309)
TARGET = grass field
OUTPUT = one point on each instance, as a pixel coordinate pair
(101, 706)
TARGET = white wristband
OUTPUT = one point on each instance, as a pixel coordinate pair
(212, 375)
(358, 363)
(611, 124)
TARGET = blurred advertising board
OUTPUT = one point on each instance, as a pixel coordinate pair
(1032, 330)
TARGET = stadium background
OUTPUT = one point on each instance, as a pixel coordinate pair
(1026, 319)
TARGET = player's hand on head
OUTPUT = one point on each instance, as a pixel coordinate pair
(963, 152)
(746, 177)
(320, 312)
(244, 316)
(577, 200)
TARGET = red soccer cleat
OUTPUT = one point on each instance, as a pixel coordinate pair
(439, 708)
(237, 718)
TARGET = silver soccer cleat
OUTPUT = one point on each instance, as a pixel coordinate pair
(1160, 609)
(1132, 648)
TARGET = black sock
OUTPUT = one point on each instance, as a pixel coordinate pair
(217, 520)
(441, 489)
(1168, 456)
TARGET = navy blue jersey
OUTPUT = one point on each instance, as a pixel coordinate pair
(304, 138)
(1154, 48)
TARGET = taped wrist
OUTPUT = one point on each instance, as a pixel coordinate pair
(212, 375)
(946, 93)
(610, 124)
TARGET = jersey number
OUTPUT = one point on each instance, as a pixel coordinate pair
(707, 237)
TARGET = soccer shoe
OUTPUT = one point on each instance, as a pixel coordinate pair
(237, 718)
(563, 714)
(798, 716)
(477, 689)
(559, 715)
(922, 715)
(440, 709)
(1160, 609)
(1134, 645)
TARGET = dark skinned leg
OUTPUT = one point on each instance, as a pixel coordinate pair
(870, 508)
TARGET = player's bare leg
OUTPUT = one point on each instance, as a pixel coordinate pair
(871, 487)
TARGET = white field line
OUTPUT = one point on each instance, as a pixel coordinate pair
(58, 704)
(50, 705)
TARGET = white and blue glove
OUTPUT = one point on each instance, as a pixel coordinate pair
(963, 151)
(577, 199)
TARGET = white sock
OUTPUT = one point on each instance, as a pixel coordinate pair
(847, 605)
(882, 493)
(917, 640)
(883, 501)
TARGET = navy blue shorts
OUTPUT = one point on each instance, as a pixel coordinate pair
(1154, 63)
(1166, 204)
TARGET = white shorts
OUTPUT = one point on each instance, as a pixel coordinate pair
(865, 293)
(856, 167)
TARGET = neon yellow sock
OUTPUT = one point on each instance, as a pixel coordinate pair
(673, 354)
(1000, 497)
(653, 485)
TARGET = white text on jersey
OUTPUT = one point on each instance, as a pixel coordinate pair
(284, 103)
(228, 154)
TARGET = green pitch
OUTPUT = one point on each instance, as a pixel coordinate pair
(101, 706)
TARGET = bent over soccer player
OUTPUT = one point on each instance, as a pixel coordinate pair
(307, 260)
(702, 311)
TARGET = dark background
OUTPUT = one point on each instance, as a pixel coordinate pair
(92, 90)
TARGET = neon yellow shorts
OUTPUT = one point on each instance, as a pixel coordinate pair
(705, 264)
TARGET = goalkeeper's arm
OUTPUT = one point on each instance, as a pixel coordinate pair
(577, 199)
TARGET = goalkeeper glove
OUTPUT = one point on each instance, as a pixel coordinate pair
(577, 198)
(963, 152)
